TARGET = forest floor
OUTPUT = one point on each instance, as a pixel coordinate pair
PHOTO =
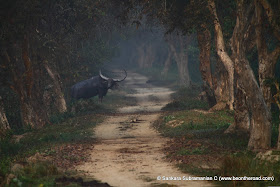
(129, 151)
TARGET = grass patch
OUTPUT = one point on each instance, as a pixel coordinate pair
(146, 178)
(245, 164)
(73, 130)
(193, 120)
(36, 174)
(195, 151)
(186, 99)
(199, 146)
(59, 118)
(186, 168)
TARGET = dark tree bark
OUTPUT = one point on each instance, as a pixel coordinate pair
(60, 103)
(25, 82)
(204, 44)
(221, 51)
(277, 100)
(241, 111)
(267, 61)
(260, 135)
(221, 85)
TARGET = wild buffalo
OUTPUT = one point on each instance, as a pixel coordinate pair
(97, 85)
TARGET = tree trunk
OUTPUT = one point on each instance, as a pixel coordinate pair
(267, 61)
(260, 135)
(4, 124)
(26, 83)
(221, 84)
(57, 90)
(241, 115)
(277, 101)
(278, 143)
(204, 43)
(33, 114)
(221, 51)
(149, 56)
(167, 62)
(181, 58)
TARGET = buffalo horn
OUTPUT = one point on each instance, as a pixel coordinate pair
(102, 76)
(118, 80)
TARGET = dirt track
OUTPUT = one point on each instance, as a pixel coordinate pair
(129, 152)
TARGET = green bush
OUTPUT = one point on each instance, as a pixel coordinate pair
(245, 164)
(186, 99)
(36, 174)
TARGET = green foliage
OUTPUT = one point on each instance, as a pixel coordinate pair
(245, 164)
(186, 168)
(168, 118)
(193, 126)
(186, 104)
(70, 131)
(194, 121)
(195, 151)
(187, 128)
(9, 148)
(36, 174)
(60, 117)
(4, 165)
(186, 99)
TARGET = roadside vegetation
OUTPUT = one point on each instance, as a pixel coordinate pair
(199, 146)
(187, 99)
(47, 156)
(34, 157)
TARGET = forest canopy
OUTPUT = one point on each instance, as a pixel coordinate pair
(230, 48)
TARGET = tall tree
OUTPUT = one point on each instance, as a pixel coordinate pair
(222, 52)
(179, 48)
(204, 43)
(260, 135)
(267, 60)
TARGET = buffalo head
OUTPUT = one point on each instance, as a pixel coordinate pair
(111, 83)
